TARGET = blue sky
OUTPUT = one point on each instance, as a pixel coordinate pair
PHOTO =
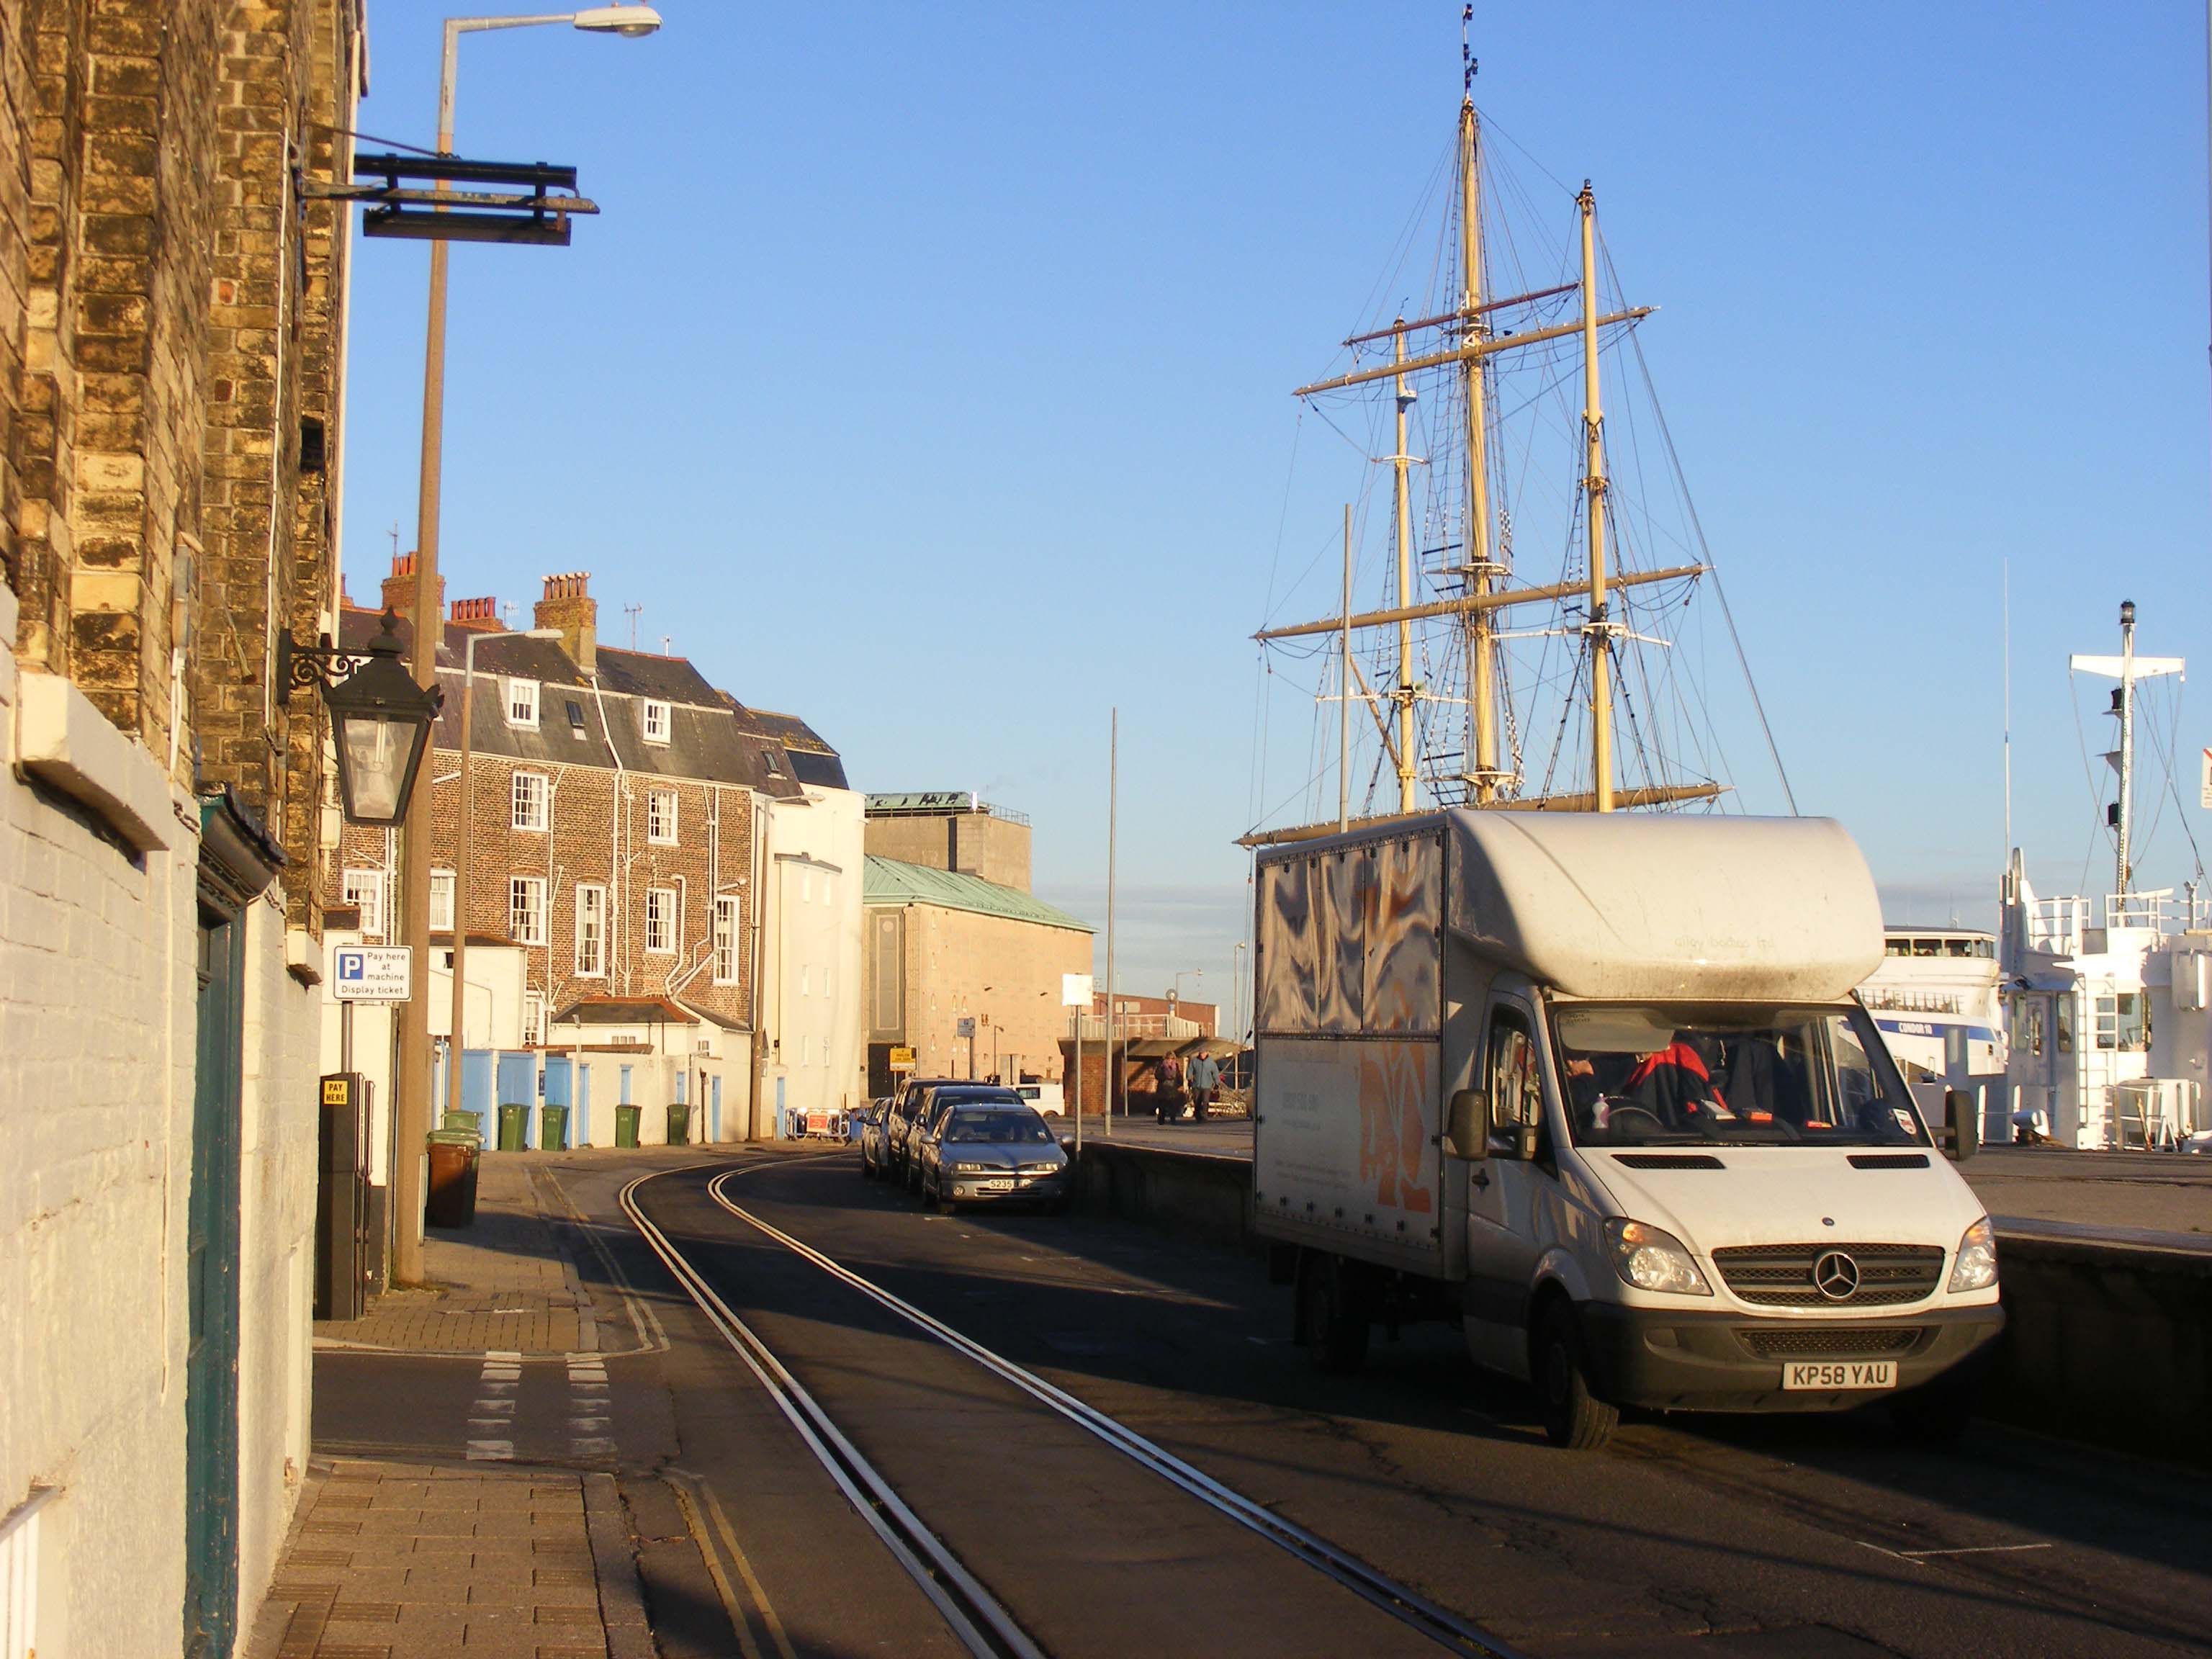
(927, 373)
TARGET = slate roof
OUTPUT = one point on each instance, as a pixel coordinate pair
(625, 1011)
(712, 736)
(891, 881)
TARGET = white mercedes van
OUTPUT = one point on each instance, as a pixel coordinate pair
(1597, 1087)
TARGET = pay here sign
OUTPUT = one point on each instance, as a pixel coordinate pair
(372, 973)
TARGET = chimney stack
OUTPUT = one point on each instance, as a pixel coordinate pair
(569, 606)
(399, 587)
(480, 615)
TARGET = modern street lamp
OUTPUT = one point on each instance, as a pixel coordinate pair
(1175, 990)
(412, 1103)
(380, 717)
(463, 842)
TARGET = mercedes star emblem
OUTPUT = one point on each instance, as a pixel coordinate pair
(1835, 1276)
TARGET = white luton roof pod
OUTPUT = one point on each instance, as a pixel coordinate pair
(1631, 905)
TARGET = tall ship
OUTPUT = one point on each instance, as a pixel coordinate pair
(1526, 618)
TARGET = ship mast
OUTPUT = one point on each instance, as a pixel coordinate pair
(2127, 668)
(1485, 775)
(1406, 693)
(1596, 629)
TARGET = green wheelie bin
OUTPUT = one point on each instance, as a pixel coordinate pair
(626, 1121)
(679, 1125)
(553, 1129)
(514, 1128)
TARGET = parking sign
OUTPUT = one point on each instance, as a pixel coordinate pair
(372, 973)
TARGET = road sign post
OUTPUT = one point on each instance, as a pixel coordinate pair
(1075, 992)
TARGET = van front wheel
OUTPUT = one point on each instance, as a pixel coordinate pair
(1573, 1417)
(1332, 1314)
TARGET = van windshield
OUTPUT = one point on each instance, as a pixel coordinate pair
(1658, 1075)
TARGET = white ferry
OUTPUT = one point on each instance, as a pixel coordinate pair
(1935, 999)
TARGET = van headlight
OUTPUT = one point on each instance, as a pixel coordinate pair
(1653, 1260)
(1976, 1266)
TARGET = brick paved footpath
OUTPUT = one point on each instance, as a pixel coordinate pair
(504, 1284)
(391, 1560)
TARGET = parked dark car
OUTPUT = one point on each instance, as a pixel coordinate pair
(937, 1101)
(868, 1130)
(992, 1153)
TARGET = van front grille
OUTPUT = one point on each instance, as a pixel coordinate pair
(1829, 1344)
(1782, 1275)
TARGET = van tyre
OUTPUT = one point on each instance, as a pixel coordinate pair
(1574, 1417)
(1333, 1320)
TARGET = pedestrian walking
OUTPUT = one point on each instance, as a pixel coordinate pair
(1170, 1092)
(1205, 1078)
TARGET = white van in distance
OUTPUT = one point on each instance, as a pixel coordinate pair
(1596, 1087)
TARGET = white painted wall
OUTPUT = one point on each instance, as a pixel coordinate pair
(97, 1026)
(812, 990)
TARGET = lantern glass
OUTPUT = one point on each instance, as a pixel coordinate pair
(376, 758)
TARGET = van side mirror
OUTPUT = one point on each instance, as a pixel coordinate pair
(1962, 1125)
(1464, 1125)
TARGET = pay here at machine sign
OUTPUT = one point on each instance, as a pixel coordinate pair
(372, 973)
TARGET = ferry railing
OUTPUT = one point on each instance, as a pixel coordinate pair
(2056, 924)
(2150, 910)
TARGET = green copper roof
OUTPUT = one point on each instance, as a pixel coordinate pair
(889, 881)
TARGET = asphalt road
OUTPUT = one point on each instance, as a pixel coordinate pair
(1808, 1537)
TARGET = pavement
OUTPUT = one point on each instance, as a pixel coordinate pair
(509, 1284)
(394, 1560)
(450, 1507)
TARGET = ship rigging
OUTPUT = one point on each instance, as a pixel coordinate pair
(1470, 703)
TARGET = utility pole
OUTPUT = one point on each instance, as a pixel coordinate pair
(410, 1102)
(1113, 1005)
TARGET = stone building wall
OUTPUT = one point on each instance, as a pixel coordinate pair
(142, 203)
(961, 963)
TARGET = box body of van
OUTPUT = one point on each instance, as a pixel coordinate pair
(1597, 1087)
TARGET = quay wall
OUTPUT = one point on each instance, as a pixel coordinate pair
(2107, 1342)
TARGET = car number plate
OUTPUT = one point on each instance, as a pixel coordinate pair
(1004, 1186)
(1828, 1375)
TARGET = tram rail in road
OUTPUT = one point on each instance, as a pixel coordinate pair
(974, 1615)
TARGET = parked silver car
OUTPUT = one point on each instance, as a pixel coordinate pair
(993, 1152)
(869, 1130)
(935, 1104)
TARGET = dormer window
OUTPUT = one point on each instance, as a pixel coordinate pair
(654, 718)
(522, 703)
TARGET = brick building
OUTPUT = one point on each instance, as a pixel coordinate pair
(172, 305)
(619, 826)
